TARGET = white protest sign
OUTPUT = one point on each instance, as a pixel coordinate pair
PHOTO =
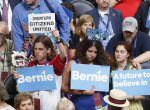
(41, 23)
(133, 82)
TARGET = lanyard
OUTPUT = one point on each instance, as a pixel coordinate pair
(106, 24)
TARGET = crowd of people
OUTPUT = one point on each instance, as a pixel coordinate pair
(123, 45)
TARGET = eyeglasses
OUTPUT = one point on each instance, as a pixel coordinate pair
(120, 51)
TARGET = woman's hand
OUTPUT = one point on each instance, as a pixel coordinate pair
(56, 35)
(15, 75)
(136, 64)
(89, 92)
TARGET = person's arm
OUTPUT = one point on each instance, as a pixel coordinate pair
(17, 31)
(143, 57)
(71, 53)
(62, 21)
(132, 98)
(65, 82)
(61, 47)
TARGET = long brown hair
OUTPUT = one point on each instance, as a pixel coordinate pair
(48, 44)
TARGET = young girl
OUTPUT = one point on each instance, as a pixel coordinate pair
(123, 53)
(92, 53)
(44, 54)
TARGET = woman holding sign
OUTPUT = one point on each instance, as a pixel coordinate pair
(88, 52)
(123, 53)
(44, 54)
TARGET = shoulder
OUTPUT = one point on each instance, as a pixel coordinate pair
(114, 11)
(142, 35)
(32, 63)
(18, 6)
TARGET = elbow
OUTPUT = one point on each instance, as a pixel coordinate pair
(64, 88)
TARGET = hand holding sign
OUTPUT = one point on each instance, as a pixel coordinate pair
(89, 92)
(55, 33)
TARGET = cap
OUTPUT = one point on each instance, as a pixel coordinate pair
(129, 24)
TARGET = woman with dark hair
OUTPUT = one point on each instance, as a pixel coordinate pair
(92, 53)
(123, 53)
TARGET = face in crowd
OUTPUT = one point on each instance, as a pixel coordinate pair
(87, 25)
(129, 36)
(3, 32)
(26, 105)
(91, 53)
(41, 52)
(121, 54)
(30, 2)
(103, 4)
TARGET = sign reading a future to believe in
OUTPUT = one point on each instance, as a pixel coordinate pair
(41, 23)
(133, 82)
(84, 77)
(36, 78)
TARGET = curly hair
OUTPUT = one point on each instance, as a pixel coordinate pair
(48, 44)
(22, 97)
(102, 57)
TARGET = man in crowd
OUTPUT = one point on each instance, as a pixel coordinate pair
(107, 20)
(138, 40)
(20, 19)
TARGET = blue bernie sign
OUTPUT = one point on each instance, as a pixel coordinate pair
(133, 82)
(84, 77)
(36, 78)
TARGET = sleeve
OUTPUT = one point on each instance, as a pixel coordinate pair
(145, 40)
(58, 65)
(17, 30)
(62, 21)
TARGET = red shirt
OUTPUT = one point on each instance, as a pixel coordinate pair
(56, 62)
(127, 7)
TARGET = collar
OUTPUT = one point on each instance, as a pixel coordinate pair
(29, 6)
(102, 13)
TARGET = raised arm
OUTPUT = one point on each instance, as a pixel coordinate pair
(61, 47)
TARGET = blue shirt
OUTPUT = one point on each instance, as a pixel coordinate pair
(20, 17)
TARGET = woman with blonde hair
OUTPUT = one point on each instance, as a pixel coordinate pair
(85, 21)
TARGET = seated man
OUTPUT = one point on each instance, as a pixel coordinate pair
(139, 41)
(23, 101)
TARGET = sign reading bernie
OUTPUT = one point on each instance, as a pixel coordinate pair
(36, 78)
(133, 82)
(41, 23)
(84, 77)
